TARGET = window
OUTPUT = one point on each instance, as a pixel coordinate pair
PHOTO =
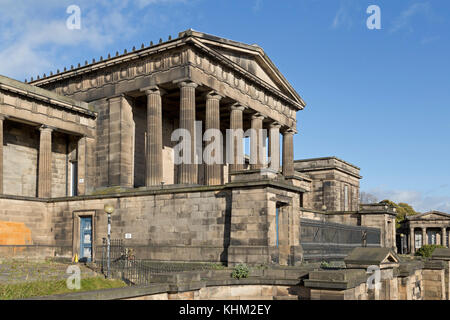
(73, 178)
(417, 240)
(432, 236)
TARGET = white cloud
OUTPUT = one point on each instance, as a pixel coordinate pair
(420, 201)
(345, 14)
(406, 18)
(35, 38)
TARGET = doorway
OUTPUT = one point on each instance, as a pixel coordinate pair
(85, 239)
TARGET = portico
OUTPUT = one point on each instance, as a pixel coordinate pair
(427, 228)
(173, 85)
(46, 142)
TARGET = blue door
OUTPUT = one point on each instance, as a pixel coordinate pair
(86, 239)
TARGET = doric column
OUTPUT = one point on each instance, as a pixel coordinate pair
(154, 156)
(45, 163)
(237, 127)
(424, 236)
(274, 145)
(188, 172)
(411, 241)
(443, 237)
(213, 172)
(257, 143)
(288, 152)
(2, 118)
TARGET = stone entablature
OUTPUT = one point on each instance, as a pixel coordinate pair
(44, 139)
(29, 104)
(187, 57)
(327, 163)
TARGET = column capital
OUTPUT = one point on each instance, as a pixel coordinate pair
(46, 128)
(289, 131)
(275, 125)
(153, 90)
(258, 116)
(238, 106)
(3, 117)
(213, 95)
(187, 83)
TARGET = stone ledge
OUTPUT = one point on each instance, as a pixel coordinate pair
(157, 288)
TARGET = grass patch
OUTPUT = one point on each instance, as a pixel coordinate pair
(46, 288)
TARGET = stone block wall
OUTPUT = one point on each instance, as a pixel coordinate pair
(183, 226)
(330, 176)
(25, 229)
(434, 283)
(254, 227)
(20, 159)
(102, 143)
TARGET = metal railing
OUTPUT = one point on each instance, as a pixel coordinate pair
(123, 264)
(326, 240)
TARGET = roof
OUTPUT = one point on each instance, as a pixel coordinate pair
(212, 45)
(441, 254)
(328, 158)
(366, 256)
(47, 96)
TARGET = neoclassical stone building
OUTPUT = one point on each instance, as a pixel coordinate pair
(101, 132)
(426, 228)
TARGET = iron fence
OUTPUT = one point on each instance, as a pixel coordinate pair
(123, 264)
(333, 241)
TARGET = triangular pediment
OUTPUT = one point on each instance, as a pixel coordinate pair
(251, 59)
(390, 258)
(432, 215)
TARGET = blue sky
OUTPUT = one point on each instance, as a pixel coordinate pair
(377, 98)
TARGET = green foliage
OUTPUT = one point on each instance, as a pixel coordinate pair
(427, 250)
(402, 209)
(216, 266)
(325, 264)
(240, 271)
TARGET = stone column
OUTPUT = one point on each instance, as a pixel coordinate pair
(2, 118)
(256, 142)
(424, 236)
(411, 241)
(274, 145)
(236, 124)
(154, 156)
(45, 163)
(213, 172)
(288, 153)
(443, 236)
(188, 172)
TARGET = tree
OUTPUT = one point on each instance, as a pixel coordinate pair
(367, 198)
(402, 209)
